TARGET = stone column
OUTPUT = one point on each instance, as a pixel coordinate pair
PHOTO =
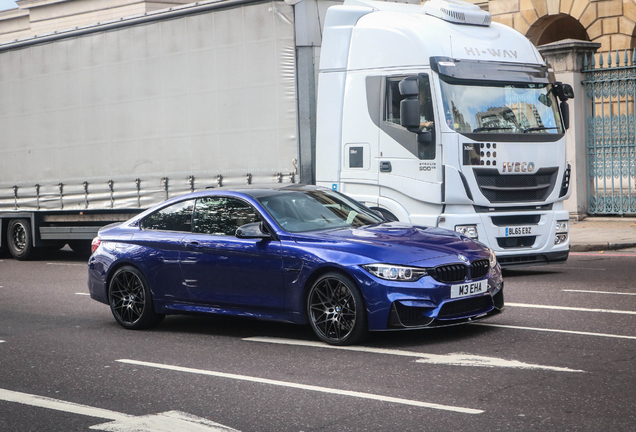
(566, 59)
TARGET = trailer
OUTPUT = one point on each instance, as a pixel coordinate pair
(430, 114)
(102, 122)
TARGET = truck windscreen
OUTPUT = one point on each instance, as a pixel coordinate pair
(523, 109)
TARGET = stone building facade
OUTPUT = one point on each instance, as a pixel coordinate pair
(608, 22)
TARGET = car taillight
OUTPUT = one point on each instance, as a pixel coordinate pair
(95, 244)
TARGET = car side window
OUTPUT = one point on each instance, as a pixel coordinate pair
(177, 217)
(222, 215)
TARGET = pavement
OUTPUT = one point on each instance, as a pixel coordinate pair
(602, 233)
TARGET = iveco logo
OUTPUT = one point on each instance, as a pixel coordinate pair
(463, 258)
(517, 167)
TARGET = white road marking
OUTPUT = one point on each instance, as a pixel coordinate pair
(455, 359)
(68, 264)
(536, 306)
(307, 387)
(163, 422)
(556, 331)
(599, 292)
(83, 294)
(58, 405)
(1, 341)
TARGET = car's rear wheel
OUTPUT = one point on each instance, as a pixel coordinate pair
(131, 300)
(19, 239)
(336, 310)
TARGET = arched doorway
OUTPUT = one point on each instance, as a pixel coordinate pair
(552, 28)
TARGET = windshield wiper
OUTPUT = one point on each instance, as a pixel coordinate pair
(488, 128)
(538, 128)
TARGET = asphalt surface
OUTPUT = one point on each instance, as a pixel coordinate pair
(529, 369)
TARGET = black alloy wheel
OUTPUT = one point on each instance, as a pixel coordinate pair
(131, 300)
(19, 239)
(336, 310)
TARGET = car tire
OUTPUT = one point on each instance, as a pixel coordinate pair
(19, 239)
(336, 310)
(130, 300)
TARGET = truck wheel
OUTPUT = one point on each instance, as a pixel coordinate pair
(19, 239)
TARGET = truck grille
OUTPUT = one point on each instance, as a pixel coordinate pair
(449, 273)
(516, 242)
(504, 221)
(468, 306)
(479, 268)
(498, 187)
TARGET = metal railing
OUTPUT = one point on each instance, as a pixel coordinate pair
(610, 137)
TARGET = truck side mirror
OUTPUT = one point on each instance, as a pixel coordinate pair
(565, 113)
(568, 92)
(410, 114)
(409, 87)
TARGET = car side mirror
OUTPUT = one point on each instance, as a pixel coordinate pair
(252, 231)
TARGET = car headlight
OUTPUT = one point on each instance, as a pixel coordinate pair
(492, 258)
(395, 272)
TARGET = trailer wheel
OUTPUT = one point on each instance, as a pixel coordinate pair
(19, 239)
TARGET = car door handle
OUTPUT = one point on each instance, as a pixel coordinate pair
(193, 245)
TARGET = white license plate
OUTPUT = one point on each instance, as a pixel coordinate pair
(517, 231)
(469, 289)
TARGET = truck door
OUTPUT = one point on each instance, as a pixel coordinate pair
(409, 160)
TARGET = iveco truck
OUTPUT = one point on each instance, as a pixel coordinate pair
(430, 114)
(434, 115)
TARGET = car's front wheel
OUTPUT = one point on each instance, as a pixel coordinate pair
(131, 300)
(336, 310)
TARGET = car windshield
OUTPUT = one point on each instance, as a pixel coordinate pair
(302, 211)
(517, 108)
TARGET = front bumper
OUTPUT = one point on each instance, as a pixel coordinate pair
(427, 302)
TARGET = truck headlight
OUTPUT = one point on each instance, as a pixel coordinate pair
(395, 272)
(469, 231)
(561, 226)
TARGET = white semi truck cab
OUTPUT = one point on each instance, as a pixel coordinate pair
(433, 115)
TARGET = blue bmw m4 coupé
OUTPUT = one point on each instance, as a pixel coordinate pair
(300, 254)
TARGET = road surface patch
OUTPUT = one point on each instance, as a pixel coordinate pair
(170, 421)
(598, 292)
(454, 359)
(567, 308)
(555, 331)
(356, 394)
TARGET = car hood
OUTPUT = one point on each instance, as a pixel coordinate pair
(397, 243)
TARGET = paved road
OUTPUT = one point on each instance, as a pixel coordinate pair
(66, 366)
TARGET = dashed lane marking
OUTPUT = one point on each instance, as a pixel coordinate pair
(599, 292)
(454, 359)
(86, 294)
(68, 264)
(307, 387)
(556, 331)
(567, 308)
